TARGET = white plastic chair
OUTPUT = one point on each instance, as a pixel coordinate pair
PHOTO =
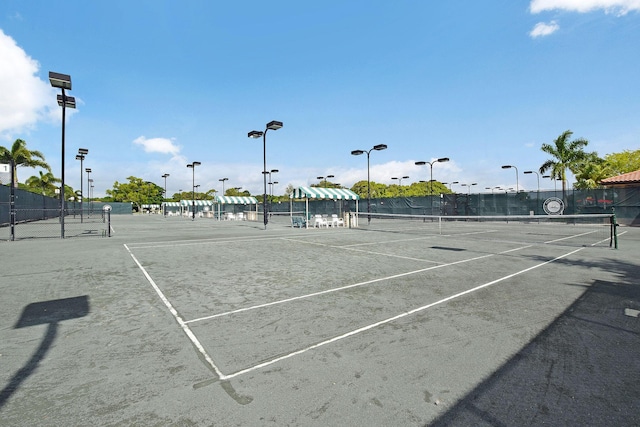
(318, 221)
(336, 221)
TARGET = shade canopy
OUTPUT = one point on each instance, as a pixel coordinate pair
(324, 193)
(196, 202)
(237, 200)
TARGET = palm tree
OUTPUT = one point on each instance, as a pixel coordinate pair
(19, 155)
(45, 182)
(567, 155)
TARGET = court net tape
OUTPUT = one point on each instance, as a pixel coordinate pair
(570, 230)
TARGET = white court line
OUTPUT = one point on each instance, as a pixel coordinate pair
(391, 319)
(154, 245)
(175, 314)
(342, 288)
(572, 236)
(351, 248)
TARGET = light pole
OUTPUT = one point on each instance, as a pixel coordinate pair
(82, 152)
(422, 163)
(555, 187)
(62, 81)
(537, 192)
(450, 184)
(271, 186)
(90, 190)
(272, 125)
(509, 167)
(468, 207)
(400, 182)
(378, 147)
(88, 171)
(165, 191)
(469, 187)
(325, 178)
(193, 188)
(223, 180)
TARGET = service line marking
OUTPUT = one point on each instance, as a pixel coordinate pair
(391, 319)
(174, 312)
(342, 288)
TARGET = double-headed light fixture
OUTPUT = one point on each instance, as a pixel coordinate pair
(63, 82)
(193, 188)
(272, 125)
(378, 147)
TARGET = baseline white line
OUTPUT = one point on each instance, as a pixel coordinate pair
(153, 245)
(176, 316)
(391, 319)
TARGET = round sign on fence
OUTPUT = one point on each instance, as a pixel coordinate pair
(553, 206)
(107, 208)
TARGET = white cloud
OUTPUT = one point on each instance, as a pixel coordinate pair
(158, 145)
(543, 29)
(619, 7)
(25, 99)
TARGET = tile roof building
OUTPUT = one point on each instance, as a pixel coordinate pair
(626, 179)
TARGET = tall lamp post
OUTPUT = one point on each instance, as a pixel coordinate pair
(193, 188)
(272, 125)
(555, 188)
(422, 163)
(82, 152)
(378, 147)
(90, 190)
(400, 182)
(165, 176)
(88, 171)
(223, 180)
(538, 191)
(62, 81)
(325, 178)
(468, 207)
(271, 186)
(509, 167)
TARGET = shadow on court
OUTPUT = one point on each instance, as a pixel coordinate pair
(581, 370)
(50, 313)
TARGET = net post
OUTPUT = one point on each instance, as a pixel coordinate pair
(614, 229)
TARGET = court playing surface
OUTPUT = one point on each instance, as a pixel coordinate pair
(394, 323)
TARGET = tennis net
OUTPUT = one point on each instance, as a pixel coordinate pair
(569, 230)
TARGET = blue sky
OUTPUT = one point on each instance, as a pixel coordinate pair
(161, 84)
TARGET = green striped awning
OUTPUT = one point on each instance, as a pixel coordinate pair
(172, 204)
(324, 193)
(237, 200)
(196, 202)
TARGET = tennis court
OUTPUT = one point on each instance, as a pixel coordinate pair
(402, 321)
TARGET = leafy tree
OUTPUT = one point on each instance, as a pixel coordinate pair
(625, 162)
(136, 191)
(591, 172)
(235, 191)
(377, 190)
(326, 184)
(566, 155)
(20, 155)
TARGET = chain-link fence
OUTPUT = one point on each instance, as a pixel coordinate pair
(625, 202)
(26, 215)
